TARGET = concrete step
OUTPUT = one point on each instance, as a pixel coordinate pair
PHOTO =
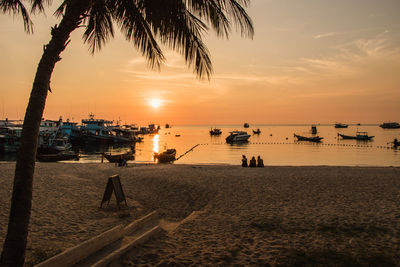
(108, 246)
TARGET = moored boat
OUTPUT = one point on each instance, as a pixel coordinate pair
(237, 136)
(363, 136)
(166, 156)
(97, 130)
(258, 131)
(341, 125)
(315, 139)
(390, 125)
(215, 131)
(116, 157)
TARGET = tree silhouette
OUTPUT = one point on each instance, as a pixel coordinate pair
(177, 24)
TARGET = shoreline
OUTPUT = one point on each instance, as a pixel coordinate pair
(135, 163)
(242, 216)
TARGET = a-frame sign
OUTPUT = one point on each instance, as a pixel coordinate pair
(114, 185)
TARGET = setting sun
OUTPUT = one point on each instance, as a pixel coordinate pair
(155, 103)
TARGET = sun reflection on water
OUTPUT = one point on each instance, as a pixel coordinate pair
(156, 147)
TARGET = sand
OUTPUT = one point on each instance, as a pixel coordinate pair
(220, 215)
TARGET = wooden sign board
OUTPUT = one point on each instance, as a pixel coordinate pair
(114, 185)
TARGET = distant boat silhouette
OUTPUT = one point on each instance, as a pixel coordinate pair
(215, 131)
(359, 136)
(315, 139)
(390, 125)
(341, 125)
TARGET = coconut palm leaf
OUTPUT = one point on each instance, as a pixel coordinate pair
(16, 7)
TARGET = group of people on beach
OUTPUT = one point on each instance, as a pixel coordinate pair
(252, 163)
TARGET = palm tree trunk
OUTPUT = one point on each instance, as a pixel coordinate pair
(13, 253)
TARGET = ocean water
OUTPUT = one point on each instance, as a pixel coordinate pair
(276, 145)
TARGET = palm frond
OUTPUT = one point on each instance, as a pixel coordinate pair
(99, 27)
(16, 7)
(38, 5)
(60, 10)
(182, 31)
(212, 13)
(130, 17)
(241, 18)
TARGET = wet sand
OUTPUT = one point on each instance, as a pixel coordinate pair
(221, 215)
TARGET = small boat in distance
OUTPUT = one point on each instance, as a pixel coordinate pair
(341, 125)
(215, 131)
(166, 156)
(363, 136)
(315, 139)
(237, 136)
(390, 125)
(314, 129)
(258, 131)
(246, 125)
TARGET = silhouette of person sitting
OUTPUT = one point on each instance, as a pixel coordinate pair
(260, 162)
(396, 143)
(253, 162)
(244, 161)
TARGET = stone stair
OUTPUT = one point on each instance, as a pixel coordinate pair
(108, 246)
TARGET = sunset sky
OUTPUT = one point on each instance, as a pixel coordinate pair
(310, 61)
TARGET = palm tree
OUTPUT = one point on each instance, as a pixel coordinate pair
(177, 24)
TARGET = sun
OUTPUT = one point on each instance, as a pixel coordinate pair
(155, 103)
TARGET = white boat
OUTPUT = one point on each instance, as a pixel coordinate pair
(237, 136)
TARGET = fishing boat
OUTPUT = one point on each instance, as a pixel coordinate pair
(215, 131)
(116, 157)
(237, 137)
(53, 145)
(390, 125)
(363, 136)
(65, 155)
(97, 130)
(166, 156)
(315, 139)
(341, 125)
(258, 131)
(246, 125)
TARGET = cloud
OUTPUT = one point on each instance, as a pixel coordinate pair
(324, 35)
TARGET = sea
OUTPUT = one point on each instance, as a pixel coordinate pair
(275, 144)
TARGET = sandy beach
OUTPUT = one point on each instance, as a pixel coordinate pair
(220, 215)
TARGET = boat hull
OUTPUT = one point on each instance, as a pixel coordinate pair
(165, 157)
(315, 139)
(237, 139)
(360, 138)
(113, 158)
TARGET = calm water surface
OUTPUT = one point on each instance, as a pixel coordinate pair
(276, 145)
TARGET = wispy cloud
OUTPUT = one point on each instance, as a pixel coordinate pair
(325, 35)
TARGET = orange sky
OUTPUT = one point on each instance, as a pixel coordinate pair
(309, 62)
